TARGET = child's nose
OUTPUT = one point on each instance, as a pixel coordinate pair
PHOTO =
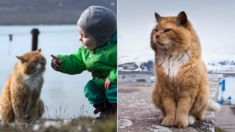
(80, 39)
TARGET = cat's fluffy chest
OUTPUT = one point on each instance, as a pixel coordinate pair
(33, 81)
(171, 63)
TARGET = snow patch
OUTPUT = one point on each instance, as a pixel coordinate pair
(124, 123)
(35, 127)
(156, 128)
(51, 123)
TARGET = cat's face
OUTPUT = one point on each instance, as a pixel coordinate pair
(171, 34)
(32, 62)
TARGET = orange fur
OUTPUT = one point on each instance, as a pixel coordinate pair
(181, 89)
(20, 100)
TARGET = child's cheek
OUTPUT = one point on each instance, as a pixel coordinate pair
(85, 41)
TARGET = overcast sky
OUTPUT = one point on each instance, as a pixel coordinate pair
(213, 20)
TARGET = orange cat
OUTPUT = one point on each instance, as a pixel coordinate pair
(181, 90)
(20, 100)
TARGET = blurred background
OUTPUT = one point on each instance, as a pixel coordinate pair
(25, 12)
(213, 22)
(56, 21)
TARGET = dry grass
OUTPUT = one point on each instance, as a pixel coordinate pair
(81, 123)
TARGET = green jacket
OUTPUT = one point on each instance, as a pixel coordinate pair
(101, 62)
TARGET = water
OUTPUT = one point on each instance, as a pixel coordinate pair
(229, 88)
(60, 91)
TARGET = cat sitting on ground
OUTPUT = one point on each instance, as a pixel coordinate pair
(181, 90)
(20, 100)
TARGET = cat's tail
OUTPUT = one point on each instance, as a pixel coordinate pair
(213, 106)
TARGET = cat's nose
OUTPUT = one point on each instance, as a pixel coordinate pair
(42, 63)
(157, 36)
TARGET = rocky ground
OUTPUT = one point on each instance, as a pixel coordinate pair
(137, 113)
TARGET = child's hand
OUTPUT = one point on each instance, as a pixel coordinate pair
(107, 83)
(56, 62)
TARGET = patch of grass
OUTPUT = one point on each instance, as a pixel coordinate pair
(81, 123)
(106, 126)
(218, 129)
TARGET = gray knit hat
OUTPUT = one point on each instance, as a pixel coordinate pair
(99, 22)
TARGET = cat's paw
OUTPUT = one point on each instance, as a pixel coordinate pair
(181, 123)
(162, 117)
(19, 122)
(4, 124)
(168, 122)
(191, 119)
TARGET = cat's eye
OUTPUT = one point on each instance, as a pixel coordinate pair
(156, 30)
(167, 30)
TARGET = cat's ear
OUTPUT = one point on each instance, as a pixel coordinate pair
(38, 50)
(157, 16)
(181, 19)
(22, 59)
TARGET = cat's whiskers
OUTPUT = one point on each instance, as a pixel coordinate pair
(34, 71)
(39, 66)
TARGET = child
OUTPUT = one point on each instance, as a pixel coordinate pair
(98, 54)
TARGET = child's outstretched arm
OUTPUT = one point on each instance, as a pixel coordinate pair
(56, 62)
(70, 64)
